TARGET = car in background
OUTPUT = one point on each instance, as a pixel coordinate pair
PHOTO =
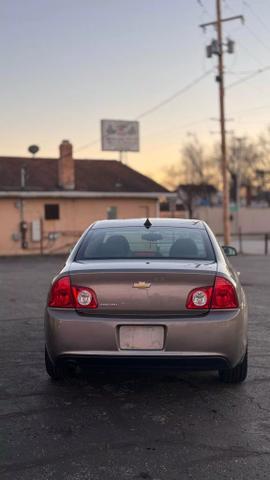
(154, 293)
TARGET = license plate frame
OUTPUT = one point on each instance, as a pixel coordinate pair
(141, 337)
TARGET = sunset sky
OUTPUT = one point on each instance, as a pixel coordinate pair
(67, 64)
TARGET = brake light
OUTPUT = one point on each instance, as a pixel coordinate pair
(221, 296)
(65, 295)
(60, 294)
(224, 294)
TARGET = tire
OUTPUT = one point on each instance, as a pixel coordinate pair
(237, 374)
(51, 370)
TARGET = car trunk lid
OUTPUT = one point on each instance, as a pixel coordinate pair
(143, 287)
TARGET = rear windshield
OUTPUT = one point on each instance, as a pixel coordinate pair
(138, 242)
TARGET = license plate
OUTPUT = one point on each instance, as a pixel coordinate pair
(144, 337)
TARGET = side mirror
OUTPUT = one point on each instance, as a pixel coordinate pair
(229, 251)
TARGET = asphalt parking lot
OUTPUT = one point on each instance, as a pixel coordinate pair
(127, 427)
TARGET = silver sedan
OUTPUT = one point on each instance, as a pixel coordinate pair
(154, 293)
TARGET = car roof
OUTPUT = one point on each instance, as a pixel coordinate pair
(156, 222)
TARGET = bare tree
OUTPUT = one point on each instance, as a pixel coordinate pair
(263, 168)
(199, 168)
(264, 148)
(192, 176)
(172, 176)
(195, 165)
(243, 160)
(243, 156)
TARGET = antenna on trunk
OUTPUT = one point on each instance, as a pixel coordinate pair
(147, 223)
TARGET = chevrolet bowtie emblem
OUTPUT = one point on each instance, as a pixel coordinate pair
(141, 285)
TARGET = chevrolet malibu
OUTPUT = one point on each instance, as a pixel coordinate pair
(154, 293)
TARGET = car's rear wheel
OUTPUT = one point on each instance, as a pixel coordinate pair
(237, 374)
(51, 369)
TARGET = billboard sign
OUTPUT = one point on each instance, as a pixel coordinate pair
(120, 135)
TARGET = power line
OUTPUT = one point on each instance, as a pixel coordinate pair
(254, 34)
(178, 93)
(204, 13)
(203, 7)
(159, 105)
(251, 54)
(255, 14)
(178, 127)
(243, 72)
(206, 119)
(254, 57)
(251, 109)
(250, 30)
(249, 77)
(87, 145)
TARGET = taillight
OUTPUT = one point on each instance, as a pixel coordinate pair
(221, 296)
(199, 298)
(84, 297)
(61, 294)
(224, 294)
(65, 295)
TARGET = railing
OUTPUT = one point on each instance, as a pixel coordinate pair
(245, 243)
(250, 243)
(58, 242)
(61, 242)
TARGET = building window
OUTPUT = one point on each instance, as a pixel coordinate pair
(112, 213)
(52, 211)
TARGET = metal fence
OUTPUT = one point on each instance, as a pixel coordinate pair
(59, 242)
(245, 243)
(250, 243)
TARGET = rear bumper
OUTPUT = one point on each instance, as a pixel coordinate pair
(217, 340)
(142, 363)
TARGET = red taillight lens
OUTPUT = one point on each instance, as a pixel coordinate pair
(199, 298)
(60, 294)
(84, 297)
(221, 296)
(63, 295)
(224, 294)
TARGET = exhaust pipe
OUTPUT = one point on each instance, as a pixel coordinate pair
(71, 367)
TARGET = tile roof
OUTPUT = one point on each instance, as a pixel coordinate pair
(90, 175)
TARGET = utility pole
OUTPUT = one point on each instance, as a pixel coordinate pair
(216, 48)
(23, 224)
(23, 182)
(224, 160)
